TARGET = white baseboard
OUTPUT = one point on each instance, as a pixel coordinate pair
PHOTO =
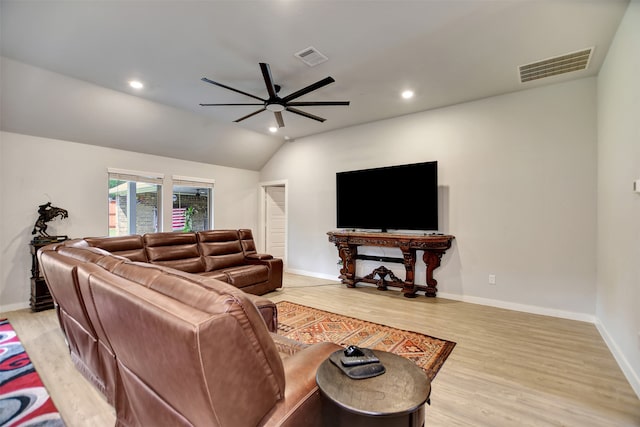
(631, 375)
(13, 307)
(332, 277)
(533, 309)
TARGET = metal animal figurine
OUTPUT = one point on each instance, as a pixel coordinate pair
(47, 213)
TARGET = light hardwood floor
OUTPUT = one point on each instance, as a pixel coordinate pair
(507, 369)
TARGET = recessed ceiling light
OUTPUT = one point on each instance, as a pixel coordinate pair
(407, 94)
(273, 129)
(136, 84)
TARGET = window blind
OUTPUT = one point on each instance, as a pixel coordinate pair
(183, 181)
(148, 177)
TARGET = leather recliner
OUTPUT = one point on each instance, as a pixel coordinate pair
(174, 348)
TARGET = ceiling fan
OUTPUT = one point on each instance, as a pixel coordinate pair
(277, 104)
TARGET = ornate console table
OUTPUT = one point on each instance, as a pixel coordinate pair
(434, 246)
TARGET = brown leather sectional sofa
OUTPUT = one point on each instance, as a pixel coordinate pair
(227, 255)
(177, 348)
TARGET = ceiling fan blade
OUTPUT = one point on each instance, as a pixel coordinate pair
(309, 103)
(310, 88)
(249, 115)
(304, 114)
(216, 105)
(268, 80)
(279, 119)
(204, 79)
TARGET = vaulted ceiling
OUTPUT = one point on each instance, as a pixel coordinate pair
(67, 64)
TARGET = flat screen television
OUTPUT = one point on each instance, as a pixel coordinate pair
(403, 197)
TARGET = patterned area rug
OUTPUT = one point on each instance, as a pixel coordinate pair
(310, 325)
(23, 399)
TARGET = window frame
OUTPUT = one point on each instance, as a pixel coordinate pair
(145, 177)
(187, 181)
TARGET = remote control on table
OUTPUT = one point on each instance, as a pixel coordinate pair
(354, 356)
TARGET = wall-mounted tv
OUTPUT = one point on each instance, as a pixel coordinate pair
(403, 197)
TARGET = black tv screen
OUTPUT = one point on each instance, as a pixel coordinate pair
(401, 197)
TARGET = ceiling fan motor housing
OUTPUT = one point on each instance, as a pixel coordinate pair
(275, 106)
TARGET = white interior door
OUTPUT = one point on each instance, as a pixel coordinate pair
(275, 221)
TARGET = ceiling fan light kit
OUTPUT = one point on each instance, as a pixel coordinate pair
(275, 103)
(275, 107)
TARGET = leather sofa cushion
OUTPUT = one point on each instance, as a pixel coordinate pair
(259, 257)
(303, 403)
(249, 246)
(131, 247)
(93, 255)
(220, 262)
(246, 275)
(218, 275)
(183, 287)
(246, 239)
(142, 273)
(217, 236)
(175, 250)
(171, 253)
(190, 265)
(220, 249)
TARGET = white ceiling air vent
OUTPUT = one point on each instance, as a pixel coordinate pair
(574, 61)
(311, 56)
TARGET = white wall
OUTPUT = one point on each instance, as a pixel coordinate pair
(618, 282)
(73, 176)
(518, 185)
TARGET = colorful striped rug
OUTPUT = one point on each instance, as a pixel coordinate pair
(23, 399)
(310, 325)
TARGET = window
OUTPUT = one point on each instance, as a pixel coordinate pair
(192, 204)
(134, 202)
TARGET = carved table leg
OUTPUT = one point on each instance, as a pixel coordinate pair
(432, 260)
(348, 256)
(409, 255)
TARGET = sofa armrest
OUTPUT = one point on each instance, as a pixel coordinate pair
(275, 267)
(286, 346)
(267, 309)
(302, 403)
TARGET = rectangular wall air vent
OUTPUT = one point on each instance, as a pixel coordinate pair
(575, 61)
(311, 56)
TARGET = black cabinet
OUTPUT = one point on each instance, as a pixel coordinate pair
(41, 299)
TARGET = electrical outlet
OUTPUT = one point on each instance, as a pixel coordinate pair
(492, 279)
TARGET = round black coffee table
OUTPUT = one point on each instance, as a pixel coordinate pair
(395, 398)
